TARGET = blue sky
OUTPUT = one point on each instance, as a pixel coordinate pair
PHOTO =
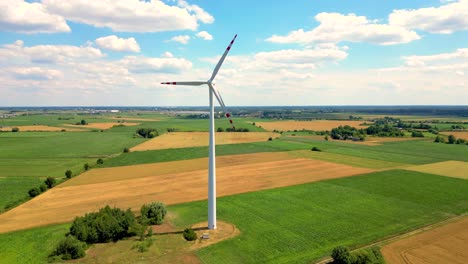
(116, 52)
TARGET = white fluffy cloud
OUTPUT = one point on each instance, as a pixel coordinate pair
(131, 15)
(115, 43)
(336, 28)
(156, 65)
(24, 17)
(34, 73)
(183, 39)
(445, 19)
(204, 35)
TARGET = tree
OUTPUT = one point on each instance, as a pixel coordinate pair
(220, 129)
(43, 188)
(83, 122)
(326, 138)
(50, 182)
(147, 132)
(315, 149)
(153, 213)
(341, 255)
(189, 234)
(70, 248)
(100, 161)
(34, 192)
(126, 150)
(68, 174)
(15, 129)
(451, 139)
(86, 166)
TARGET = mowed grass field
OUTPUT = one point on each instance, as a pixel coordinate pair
(196, 139)
(14, 190)
(300, 224)
(170, 182)
(318, 125)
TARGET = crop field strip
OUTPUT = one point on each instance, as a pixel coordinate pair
(444, 244)
(61, 204)
(40, 128)
(320, 125)
(457, 134)
(457, 169)
(105, 125)
(196, 139)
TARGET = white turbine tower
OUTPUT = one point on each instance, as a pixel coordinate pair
(212, 155)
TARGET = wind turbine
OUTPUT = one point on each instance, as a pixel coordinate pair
(212, 155)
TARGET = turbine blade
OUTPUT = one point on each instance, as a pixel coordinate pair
(221, 103)
(184, 83)
(220, 62)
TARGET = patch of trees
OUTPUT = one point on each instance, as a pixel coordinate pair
(342, 255)
(172, 129)
(232, 129)
(384, 131)
(451, 139)
(417, 134)
(48, 183)
(347, 132)
(147, 132)
(110, 224)
(458, 127)
(351, 117)
(410, 125)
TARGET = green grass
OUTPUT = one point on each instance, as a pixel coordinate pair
(30, 246)
(407, 152)
(14, 190)
(42, 167)
(151, 156)
(303, 223)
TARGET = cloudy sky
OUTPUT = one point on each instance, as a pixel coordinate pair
(301, 52)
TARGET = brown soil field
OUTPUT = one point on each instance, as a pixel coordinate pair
(222, 232)
(457, 134)
(457, 169)
(197, 139)
(135, 119)
(102, 125)
(63, 203)
(41, 128)
(445, 244)
(319, 125)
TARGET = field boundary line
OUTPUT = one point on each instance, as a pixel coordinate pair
(401, 236)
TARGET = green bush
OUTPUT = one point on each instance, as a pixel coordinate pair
(43, 188)
(15, 129)
(341, 255)
(147, 132)
(70, 248)
(270, 139)
(34, 192)
(50, 182)
(220, 129)
(109, 224)
(315, 149)
(153, 213)
(189, 234)
(68, 174)
(100, 161)
(86, 166)
(143, 246)
(126, 150)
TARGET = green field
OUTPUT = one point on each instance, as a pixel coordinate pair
(30, 246)
(303, 223)
(14, 190)
(151, 156)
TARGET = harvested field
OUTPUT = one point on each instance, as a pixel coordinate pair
(457, 169)
(41, 128)
(63, 203)
(102, 125)
(136, 119)
(445, 244)
(197, 139)
(457, 134)
(320, 125)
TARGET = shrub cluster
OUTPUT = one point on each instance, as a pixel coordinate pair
(15, 129)
(417, 134)
(147, 132)
(70, 248)
(347, 132)
(109, 224)
(384, 131)
(233, 129)
(153, 213)
(189, 234)
(315, 149)
(48, 183)
(342, 255)
(450, 140)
